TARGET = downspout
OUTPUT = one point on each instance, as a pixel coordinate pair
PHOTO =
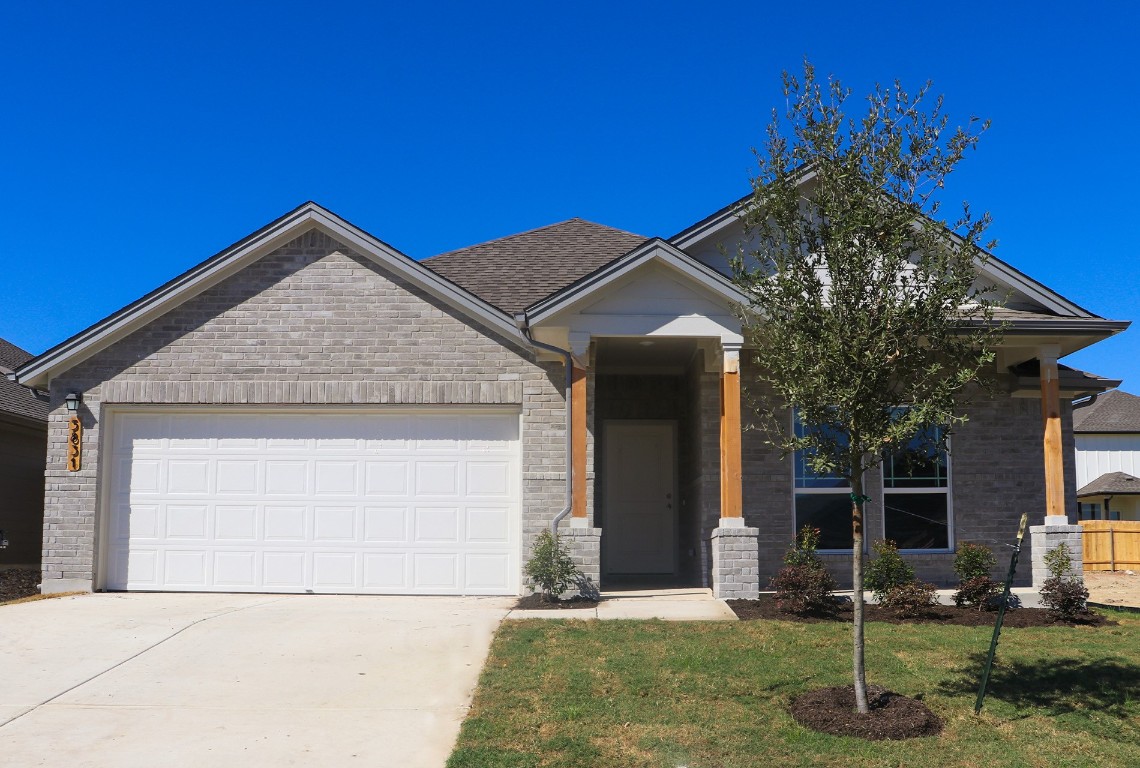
(524, 326)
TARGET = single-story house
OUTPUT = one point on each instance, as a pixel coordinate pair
(1106, 430)
(23, 450)
(310, 410)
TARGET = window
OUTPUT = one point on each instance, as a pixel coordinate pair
(822, 501)
(1089, 511)
(916, 495)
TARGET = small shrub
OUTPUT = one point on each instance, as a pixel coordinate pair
(887, 571)
(1063, 594)
(972, 563)
(910, 600)
(804, 552)
(550, 567)
(804, 585)
(977, 592)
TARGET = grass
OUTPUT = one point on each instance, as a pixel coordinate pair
(704, 695)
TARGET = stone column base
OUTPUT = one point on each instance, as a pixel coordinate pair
(735, 563)
(1044, 538)
(585, 547)
(57, 586)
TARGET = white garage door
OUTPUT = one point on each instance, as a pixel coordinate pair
(401, 502)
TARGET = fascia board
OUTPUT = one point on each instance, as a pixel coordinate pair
(655, 249)
(38, 371)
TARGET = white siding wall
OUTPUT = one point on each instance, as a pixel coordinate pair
(1098, 454)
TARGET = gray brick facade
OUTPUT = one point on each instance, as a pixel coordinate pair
(311, 323)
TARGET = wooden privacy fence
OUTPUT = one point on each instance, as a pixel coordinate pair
(1111, 545)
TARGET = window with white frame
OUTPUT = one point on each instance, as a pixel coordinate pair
(916, 495)
(822, 501)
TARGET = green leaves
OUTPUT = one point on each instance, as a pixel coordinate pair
(862, 298)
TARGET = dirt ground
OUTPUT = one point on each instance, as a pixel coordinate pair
(1109, 588)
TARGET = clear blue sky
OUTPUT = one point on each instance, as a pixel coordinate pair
(140, 138)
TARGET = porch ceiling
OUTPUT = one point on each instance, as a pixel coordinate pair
(661, 355)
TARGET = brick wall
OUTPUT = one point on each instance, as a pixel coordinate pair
(997, 472)
(312, 322)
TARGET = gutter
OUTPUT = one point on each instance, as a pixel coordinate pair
(523, 323)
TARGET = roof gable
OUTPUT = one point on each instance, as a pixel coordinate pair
(514, 272)
(656, 250)
(83, 345)
(704, 240)
(1113, 411)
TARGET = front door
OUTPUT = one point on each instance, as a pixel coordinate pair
(639, 498)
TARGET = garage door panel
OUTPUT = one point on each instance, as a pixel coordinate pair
(238, 477)
(236, 569)
(387, 572)
(235, 523)
(185, 568)
(286, 478)
(387, 478)
(486, 573)
(185, 521)
(184, 476)
(387, 525)
(284, 569)
(435, 572)
(402, 502)
(335, 524)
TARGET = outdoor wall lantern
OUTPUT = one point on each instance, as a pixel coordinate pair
(74, 433)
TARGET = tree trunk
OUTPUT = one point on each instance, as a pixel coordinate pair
(857, 593)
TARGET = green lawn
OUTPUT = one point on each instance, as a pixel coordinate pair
(609, 693)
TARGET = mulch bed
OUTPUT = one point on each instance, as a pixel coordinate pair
(18, 582)
(536, 602)
(765, 608)
(892, 716)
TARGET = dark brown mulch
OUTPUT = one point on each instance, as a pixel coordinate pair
(18, 582)
(536, 602)
(765, 608)
(892, 716)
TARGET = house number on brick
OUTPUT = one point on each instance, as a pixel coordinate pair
(74, 444)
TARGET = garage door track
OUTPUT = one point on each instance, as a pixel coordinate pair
(131, 679)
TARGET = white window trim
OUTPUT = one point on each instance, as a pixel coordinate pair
(948, 490)
(844, 491)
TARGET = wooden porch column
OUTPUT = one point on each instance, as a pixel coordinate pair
(578, 435)
(1054, 454)
(731, 507)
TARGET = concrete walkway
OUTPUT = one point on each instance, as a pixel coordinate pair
(176, 680)
(691, 604)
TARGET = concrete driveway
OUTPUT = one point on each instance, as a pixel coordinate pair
(216, 680)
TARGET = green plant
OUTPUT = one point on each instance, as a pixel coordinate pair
(887, 571)
(804, 585)
(908, 600)
(1063, 594)
(550, 567)
(972, 561)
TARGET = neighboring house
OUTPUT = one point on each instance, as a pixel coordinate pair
(23, 450)
(1107, 435)
(312, 411)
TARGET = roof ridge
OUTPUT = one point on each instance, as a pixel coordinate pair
(531, 232)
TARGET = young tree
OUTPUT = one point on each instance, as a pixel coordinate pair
(866, 315)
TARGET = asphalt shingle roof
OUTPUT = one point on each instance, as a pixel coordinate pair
(514, 272)
(15, 399)
(1112, 484)
(1113, 411)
